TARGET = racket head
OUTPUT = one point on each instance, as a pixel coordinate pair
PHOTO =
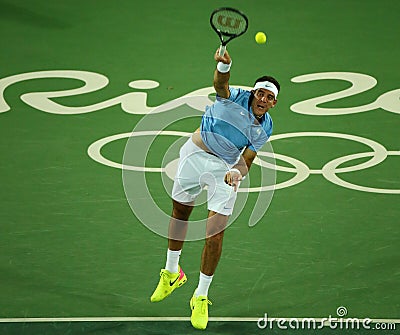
(228, 23)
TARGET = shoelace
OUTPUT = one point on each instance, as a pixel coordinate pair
(165, 276)
(204, 303)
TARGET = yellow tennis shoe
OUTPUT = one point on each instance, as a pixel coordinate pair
(168, 283)
(199, 307)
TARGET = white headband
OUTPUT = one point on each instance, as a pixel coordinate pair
(268, 86)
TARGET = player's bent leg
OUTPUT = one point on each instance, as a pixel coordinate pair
(178, 224)
(168, 283)
(212, 250)
(169, 279)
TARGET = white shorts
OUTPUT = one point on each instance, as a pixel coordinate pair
(198, 170)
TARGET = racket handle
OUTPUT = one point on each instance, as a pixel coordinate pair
(222, 50)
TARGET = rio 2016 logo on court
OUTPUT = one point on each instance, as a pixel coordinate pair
(136, 103)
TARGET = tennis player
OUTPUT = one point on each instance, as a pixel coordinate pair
(218, 155)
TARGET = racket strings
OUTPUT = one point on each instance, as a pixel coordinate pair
(229, 23)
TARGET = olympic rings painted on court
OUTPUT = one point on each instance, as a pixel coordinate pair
(94, 150)
(329, 171)
(379, 150)
(302, 172)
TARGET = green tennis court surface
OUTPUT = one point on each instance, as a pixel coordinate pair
(77, 78)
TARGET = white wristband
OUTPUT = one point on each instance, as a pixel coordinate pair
(237, 171)
(223, 68)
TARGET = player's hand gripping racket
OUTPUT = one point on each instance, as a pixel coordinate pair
(228, 23)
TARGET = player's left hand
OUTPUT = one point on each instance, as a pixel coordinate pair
(233, 178)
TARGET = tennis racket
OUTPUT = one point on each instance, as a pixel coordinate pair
(228, 23)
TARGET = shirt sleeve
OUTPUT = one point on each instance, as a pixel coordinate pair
(234, 93)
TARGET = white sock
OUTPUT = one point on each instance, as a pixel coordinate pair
(172, 260)
(204, 284)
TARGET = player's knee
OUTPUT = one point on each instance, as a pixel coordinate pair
(181, 211)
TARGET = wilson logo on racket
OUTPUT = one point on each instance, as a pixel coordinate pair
(227, 22)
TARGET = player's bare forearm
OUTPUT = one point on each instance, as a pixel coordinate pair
(241, 168)
(221, 84)
(245, 161)
(241, 165)
(221, 80)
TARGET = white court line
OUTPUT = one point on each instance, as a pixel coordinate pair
(167, 318)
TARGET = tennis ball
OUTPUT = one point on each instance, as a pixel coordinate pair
(261, 38)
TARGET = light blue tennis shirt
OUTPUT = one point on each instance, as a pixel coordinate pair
(229, 125)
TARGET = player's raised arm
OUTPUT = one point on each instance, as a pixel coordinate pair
(222, 74)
